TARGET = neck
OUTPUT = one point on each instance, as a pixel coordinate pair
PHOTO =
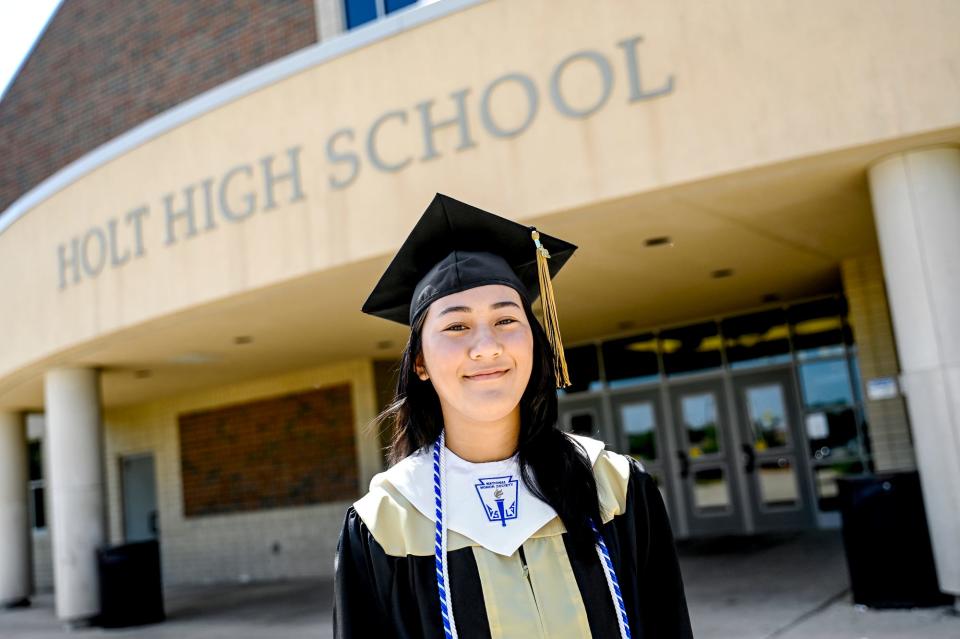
(476, 441)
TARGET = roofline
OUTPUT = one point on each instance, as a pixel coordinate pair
(230, 91)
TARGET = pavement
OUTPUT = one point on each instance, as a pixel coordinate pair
(767, 587)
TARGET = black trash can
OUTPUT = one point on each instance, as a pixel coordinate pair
(887, 542)
(131, 590)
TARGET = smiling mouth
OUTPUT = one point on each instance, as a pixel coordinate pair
(484, 376)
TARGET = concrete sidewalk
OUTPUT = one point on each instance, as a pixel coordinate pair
(784, 587)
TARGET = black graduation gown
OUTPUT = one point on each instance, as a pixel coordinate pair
(379, 594)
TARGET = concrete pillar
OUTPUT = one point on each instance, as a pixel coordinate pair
(15, 534)
(916, 203)
(330, 18)
(76, 488)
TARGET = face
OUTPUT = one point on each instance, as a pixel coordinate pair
(478, 352)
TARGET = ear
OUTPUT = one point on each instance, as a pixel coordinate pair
(420, 368)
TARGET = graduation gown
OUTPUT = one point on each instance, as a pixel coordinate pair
(535, 586)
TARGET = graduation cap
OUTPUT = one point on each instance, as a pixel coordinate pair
(455, 247)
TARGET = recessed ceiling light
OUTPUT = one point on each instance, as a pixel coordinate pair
(142, 373)
(770, 297)
(384, 344)
(661, 240)
(721, 272)
(242, 339)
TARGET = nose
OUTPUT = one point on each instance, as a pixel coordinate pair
(485, 344)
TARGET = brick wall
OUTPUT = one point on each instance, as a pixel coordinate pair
(292, 450)
(869, 317)
(104, 66)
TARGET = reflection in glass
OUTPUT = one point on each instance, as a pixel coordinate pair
(710, 490)
(825, 383)
(767, 412)
(757, 339)
(631, 360)
(584, 368)
(700, 423)
(818, 328)
(833, 433)
(826, 480)
(640, 426)
(582, 423)
(691, 349)
(778, 483)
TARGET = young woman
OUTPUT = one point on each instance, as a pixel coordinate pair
(492, 522)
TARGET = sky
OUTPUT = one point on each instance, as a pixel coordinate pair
(21, 22)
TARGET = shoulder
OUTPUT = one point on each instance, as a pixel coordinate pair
(392, 519)
(617, 476)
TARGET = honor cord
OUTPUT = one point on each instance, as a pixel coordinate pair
(612, 583)
(440, 540)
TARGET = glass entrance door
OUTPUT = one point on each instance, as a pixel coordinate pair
(773, 448)
(706, 458)
(642, 433)
(584, 416)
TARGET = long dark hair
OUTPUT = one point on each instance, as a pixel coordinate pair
(554, 467)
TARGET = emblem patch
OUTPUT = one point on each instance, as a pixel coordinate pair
(499, 497)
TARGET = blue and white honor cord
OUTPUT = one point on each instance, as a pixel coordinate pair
(440, 539)
(440, 550)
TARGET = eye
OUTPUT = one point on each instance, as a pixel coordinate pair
(507, 320)
(456, 328)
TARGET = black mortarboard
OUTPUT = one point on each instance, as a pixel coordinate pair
(454, 247)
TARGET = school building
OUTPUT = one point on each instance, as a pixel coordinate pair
(196, 198)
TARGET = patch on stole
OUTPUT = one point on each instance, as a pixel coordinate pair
(499, 496)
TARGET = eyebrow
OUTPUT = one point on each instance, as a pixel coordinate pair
(467, 309)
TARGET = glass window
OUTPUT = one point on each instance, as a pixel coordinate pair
(767, 411)
(710, 490)
(832, 434)
(393, 5)
(359, 12)
(778, 483)
(584, 368)
(818, 327)
(826, 480)
(825, 383)
(757, 339)
(699, 414)
(36, 462)
(640, 425)
(362, 11)
(691, 349)
(631, 360)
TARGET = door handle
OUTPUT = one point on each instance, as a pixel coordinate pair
(684, 464)
(750, 458)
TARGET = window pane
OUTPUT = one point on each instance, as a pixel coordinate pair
(39, 514)
(359, 12)
(756, 339)
(584, 368)
(36, 461)
(827, 491)
(631, 360)
(699, 413)
(393, 5)
(833, 434)
(778, 483)
(818, 328)
(825, 383)
(639, 423)
(767, 413)
(583, 424)
(710, 490)
(691, 348)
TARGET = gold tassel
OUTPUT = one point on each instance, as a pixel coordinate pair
(549, 305)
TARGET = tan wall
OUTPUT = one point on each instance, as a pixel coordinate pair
(876, 352)
(239, 545)
(753, 83)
